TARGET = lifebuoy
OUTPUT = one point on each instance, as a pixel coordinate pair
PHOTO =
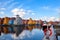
(45, 30)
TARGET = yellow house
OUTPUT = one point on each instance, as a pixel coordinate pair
(30, 22)
(5, 22)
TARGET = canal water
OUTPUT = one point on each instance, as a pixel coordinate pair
(58, 37)
(35, 34)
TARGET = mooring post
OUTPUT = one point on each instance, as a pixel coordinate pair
(56, 35)
(0, 30)
(0, 33)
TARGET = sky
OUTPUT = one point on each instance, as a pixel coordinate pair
(35, 9)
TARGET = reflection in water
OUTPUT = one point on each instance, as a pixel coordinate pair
(35, 34)
(58, 37)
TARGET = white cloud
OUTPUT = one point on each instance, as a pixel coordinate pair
(20, 6)
(7, 2)
(21, 12)
(33, 13)
(1, 12)
(58, 10)
(49, 8)
(52, 19)
(49, 19)
(2, 8)
(57, 19)
(45, 7)
(29, 11)
(13, 4)
(44, 18)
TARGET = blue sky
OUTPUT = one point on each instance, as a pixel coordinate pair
(35, 9)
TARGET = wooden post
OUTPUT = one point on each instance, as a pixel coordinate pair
(56, 37)
(0, 30)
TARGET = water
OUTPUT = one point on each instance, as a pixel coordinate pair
(58, 37)
(35, 34)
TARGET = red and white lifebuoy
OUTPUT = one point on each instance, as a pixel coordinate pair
(50, 31)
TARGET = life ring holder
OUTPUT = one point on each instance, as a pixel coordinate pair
(45, 30)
